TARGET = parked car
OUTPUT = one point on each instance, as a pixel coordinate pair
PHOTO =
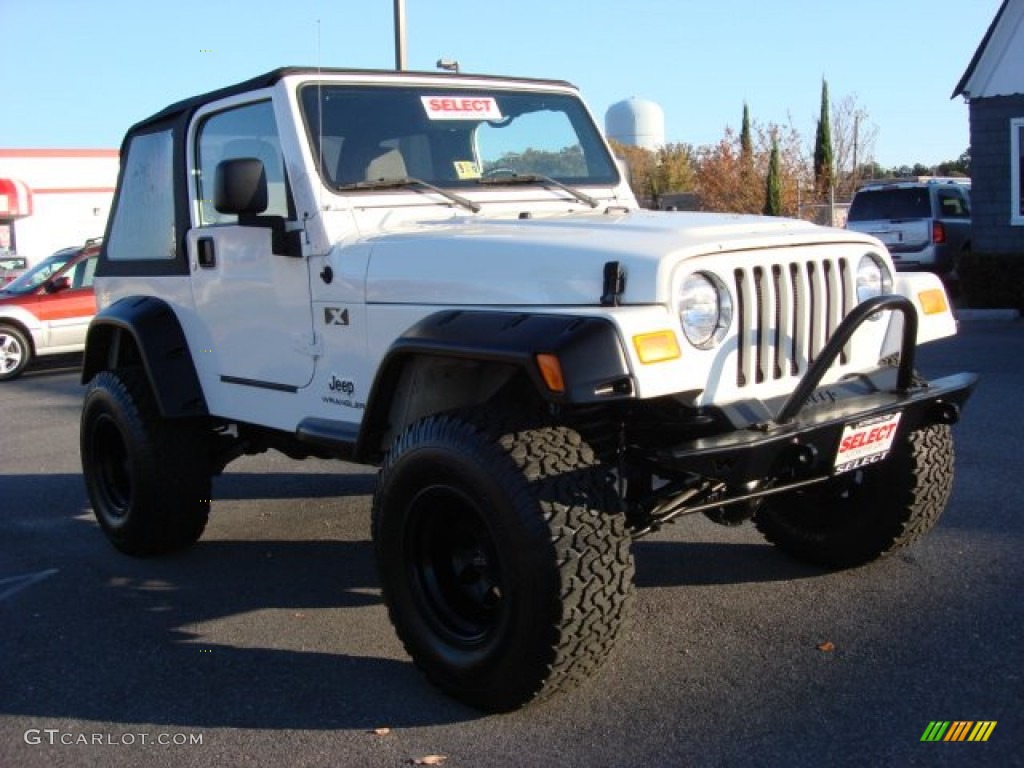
(12, 267)
(47, 310)
(924, 222)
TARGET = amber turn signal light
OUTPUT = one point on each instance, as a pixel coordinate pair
(656, 347)
(551, 371)
(933, 302)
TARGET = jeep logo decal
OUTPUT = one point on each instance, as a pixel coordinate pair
(345, 386)
(335, 316)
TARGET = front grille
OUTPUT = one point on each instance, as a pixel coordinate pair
(786, 312)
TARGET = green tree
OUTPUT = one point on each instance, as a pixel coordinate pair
(746, 142)
(673, 169)
(871, 170)
(568, 161)
(655, 173)
(824, 175)
(959, 167)
(773, 184)
(748, 173)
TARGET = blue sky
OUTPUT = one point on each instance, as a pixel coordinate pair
(77, 74)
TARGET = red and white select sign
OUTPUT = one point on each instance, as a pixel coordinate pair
(461, 107)
(866, 442)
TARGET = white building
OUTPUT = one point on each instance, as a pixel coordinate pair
(54, 198)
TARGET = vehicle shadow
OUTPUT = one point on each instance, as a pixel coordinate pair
(298, 635)
(300, 638)
(282, 485)
(693, 564)
(54, 365)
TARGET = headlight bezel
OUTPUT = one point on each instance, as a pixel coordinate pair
(704, 328)
(868, 286)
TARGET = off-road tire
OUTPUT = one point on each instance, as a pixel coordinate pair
(861, 515)
(503, 556)
(148, 477)
(15, 352)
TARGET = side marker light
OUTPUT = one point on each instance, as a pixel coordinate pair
(656, 347)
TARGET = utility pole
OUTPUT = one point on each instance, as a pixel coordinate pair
(856, 167)
(400, 35)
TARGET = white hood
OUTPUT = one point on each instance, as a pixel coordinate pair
(559, 260)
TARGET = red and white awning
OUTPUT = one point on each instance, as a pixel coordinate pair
(15, 199)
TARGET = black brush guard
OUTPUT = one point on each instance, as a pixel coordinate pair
(769, 454)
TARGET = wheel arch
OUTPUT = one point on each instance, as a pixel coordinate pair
(144, 331)
(13, 322)
(462, 358)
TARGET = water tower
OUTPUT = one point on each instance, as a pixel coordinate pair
(636, 122)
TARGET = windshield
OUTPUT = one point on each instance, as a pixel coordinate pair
(40, 273)
(452, 137)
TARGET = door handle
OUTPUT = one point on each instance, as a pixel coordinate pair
(207, 257)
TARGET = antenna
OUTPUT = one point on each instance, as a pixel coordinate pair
(400, 35)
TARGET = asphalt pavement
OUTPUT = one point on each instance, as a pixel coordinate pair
(267, 643)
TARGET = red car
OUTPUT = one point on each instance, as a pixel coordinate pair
(47, 310)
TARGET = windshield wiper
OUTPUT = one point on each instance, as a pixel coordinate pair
(399, 182)
(536, 178)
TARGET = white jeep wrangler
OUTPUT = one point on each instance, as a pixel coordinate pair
(448, 277)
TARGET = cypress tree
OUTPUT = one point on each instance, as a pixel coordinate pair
(773, 185)
(746, 143)
(823, 171)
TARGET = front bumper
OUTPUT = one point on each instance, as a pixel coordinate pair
(776, 446)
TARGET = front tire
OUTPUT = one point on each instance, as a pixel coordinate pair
(15, 352)
(148, 477)
(503, 558)
(860, 516)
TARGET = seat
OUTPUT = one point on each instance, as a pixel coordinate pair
(369, 161)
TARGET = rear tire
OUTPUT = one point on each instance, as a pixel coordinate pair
(860, 516)
(148, 477)
(503, 557)
(15, 352)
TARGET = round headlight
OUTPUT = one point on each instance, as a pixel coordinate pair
(705, 310)
(873, 278)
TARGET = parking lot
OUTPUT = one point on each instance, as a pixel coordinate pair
(268, 644)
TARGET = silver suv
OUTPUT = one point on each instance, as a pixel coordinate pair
(924, 222)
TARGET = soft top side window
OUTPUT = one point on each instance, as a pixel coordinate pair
(142, 223)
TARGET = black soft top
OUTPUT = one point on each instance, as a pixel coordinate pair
(186, 107)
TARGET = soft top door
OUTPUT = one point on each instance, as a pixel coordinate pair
(253, 304)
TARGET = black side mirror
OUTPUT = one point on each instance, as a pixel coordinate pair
(240, 186)
(58, 284)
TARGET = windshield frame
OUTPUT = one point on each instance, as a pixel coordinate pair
(408, 120)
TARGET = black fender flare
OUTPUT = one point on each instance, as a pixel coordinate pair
(154, 332)
(594, 365)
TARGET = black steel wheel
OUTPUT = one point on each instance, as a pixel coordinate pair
(148, 477)
(859, 516)
(504, 561)
(455, 567)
